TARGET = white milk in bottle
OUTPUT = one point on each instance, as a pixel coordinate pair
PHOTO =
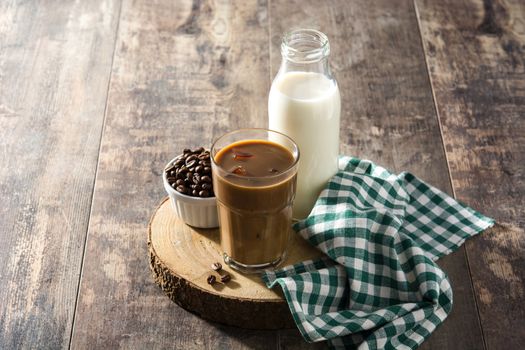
(305, 104)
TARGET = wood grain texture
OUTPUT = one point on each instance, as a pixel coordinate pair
(55, 61)
(387, 113)
(184, 73)
(180, 258)
(475, 52)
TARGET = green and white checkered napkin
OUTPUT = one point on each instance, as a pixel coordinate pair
(379, 287)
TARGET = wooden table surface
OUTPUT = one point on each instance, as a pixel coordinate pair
(96, 96)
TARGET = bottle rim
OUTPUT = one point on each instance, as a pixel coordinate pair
(305, 45)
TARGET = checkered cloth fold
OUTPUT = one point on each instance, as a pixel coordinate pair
(379, 286)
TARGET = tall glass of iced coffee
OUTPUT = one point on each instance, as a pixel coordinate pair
(254, 177)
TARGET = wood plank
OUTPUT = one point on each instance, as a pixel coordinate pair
(475, 52)
(55, 61)
(185, 72)
(388, 114)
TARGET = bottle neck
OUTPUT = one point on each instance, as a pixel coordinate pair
(321, 67)
(305, 50)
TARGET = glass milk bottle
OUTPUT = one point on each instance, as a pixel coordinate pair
(305, 104)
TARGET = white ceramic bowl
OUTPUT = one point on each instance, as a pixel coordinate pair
(194, 211)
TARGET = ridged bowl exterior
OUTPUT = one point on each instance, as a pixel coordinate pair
(194, 211)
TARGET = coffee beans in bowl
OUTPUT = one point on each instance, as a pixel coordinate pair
(188, 180)
(190, 173)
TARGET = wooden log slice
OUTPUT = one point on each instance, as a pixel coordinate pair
(180, 258)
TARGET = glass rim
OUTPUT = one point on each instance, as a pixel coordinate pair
(272, 176)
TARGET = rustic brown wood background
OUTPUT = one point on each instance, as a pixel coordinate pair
(96, 96)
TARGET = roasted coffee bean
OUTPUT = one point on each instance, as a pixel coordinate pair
(204, 156)
(170, 168)
(206, 178)
(199, 150)
(199, 169)
(211, 279)
(191, 158)
(179, 182)
(216, 266)
(207, 170)
(190, 164)
(181, 175)
(181, 189)
(196, 179)
(189, 175)
(172, 173)
(226, 278)
(195, 193)
(187, 150)
(204, 193)
(206, 186)
(171, 179)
